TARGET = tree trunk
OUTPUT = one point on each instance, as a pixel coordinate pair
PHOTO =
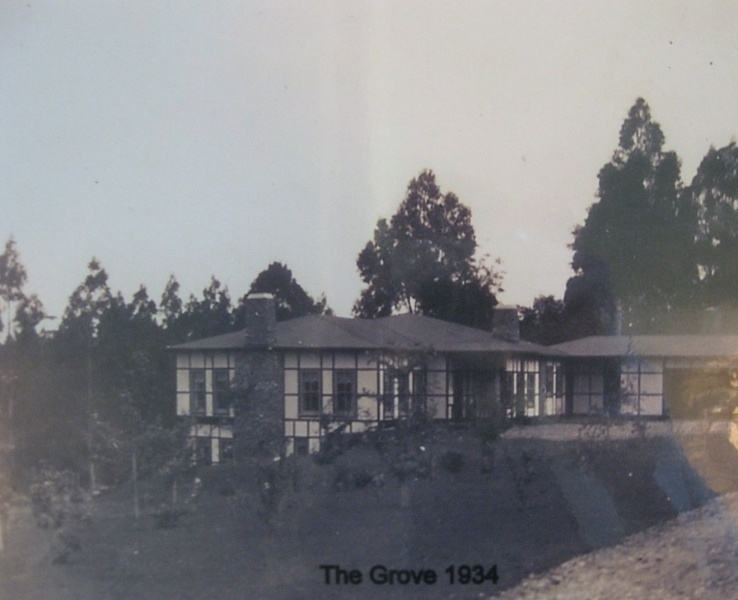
(134, 478)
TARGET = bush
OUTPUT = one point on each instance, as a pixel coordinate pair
(451, 461)
(61, 506)
(167, 516)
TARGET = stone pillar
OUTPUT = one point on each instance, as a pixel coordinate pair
(505, 323)
(258, 428)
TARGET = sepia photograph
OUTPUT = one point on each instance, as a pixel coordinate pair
(368, 299)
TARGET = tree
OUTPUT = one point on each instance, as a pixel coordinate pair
(75, 344)
(544, 322)
(12, 280)
(714, 190)
(589, 305)
(642, 226)
(291, 299)
(86, 306)
(422, 261)
(171, 304)
(210, 315)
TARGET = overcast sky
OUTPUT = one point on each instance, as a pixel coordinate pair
(212, 138)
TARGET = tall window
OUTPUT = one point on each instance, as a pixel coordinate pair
(221, 391)
(345, 392)
(396, 396)
(203, 451)
(197, 392)
(420, 391)
(226, 450)
(310, 391)
(522, 383)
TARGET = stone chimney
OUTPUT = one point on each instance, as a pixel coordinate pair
(260, 320)
(505, 323)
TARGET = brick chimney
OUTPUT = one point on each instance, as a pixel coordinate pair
(505, 323)
(260, 320)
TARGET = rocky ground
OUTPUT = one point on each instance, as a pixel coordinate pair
(693, 556)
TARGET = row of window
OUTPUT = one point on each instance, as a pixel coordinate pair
(344, 396)
(399, 392)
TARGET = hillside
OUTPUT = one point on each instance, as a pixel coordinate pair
(524, 503)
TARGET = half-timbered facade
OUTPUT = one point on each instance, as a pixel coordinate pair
(323, 372)
(360, 373)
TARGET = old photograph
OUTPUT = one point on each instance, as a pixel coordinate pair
(368, 299)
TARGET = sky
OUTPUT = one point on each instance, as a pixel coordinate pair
(212, 138)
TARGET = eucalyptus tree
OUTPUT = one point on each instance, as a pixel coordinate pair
(642, 226)
(714, 190)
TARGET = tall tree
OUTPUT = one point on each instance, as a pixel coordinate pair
(86, 305)
(75, 345)
(423, 260)
(589, 305)
(714, 190)
(171, 304)
(543, 323)
(642, 226)
(12, 280)
(212, 314)
(291, 299)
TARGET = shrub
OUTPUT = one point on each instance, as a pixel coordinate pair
(61, 506)
(167, 516)
(451, 461)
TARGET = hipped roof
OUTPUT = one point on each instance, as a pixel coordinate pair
(399, 332)
(666, 346)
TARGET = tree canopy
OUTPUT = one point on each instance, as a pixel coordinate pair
(423, 261)
(714, 190)
(290, 297)
(12, 283)
(642, 227)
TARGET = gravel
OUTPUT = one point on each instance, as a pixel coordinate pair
(693, 556)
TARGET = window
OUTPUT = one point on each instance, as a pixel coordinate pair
(203, 451)
(420, 390)
(221, 391)
(344, 392)
(197, 392)
(396, 396)
(554, 400)
(523, 387)
(310, 391)
(302, 446)
(530, 391)
(226, 450)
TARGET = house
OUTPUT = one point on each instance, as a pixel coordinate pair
(323, 371)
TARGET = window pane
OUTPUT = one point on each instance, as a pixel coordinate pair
(310, 391)
(650, 383)
(221, 385)
(226, 450)
(530, 390)
(343, 400)
(197, 391)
